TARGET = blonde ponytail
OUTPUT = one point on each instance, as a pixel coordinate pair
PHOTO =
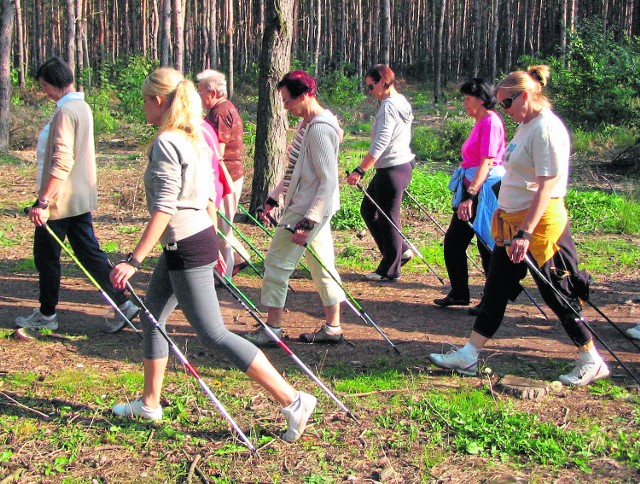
(533, 80)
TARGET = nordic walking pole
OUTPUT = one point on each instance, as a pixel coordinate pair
(251, 264)
(264, 229)
(484, 244)
(193, 371)
(243, 300)
(599, 311)
(534, 269)
(395, 227)
(106, 297)
(242, 236)
(527, 293)
(351, 301)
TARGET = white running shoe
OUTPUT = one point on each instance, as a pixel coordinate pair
(585, 373)
(37, 320)
(116, 323)
(297, 414)
(454, 360)
(634, 332)
(136, 408)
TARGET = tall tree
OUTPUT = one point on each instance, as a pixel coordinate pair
(437, 54)
(271, 122)
(7, 14)
(178, 29)
(20, 44)
(385, 31)
(71, 34)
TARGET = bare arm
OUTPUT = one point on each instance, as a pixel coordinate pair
(465, 211)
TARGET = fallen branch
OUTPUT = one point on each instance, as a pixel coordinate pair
(15, 402)
(13, 477)
(192, 468)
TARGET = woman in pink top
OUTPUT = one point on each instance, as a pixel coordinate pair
(473, 201)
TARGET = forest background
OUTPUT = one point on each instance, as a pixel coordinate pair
(417, 424)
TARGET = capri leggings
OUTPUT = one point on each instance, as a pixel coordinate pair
(194, 290)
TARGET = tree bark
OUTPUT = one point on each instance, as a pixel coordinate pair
(71, 35)
(271, 122)
(20, 44)
(166, 33)
(178, 29)
(385, 31)
(7, 15)
(437, 54)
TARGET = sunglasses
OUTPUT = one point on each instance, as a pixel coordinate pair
(506, 103)
(370, 86)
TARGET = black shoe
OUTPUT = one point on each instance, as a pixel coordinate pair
(407, 255)
(322, 337)
(475, 310)
(451, 301)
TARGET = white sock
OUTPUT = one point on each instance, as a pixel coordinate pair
(332, 329)
(469, 352)
(590, 356)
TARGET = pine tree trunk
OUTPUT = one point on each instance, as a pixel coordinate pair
(437, 54)
(71, 35)
(20, 44)
(385, 31)
(271, 122)
(178, 26)
(7, 14)
(166, 33)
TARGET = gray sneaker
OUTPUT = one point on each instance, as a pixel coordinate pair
(261, 339)
(116, 323)
(37, 320)
(585, 373)
(136, 408)
(453, 360)
(297, 414)
(634, 332)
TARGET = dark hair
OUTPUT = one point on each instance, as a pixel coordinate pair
(298, 82)
(478, 88)
(384, 72)
(56, 72)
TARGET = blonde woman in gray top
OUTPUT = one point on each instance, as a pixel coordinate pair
(178, 183)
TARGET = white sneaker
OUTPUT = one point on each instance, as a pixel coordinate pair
(297, 414)
(37, 320)
(116, 323)
(634, 332)
(136, 408)
(260, 337)
(585, 373)
(453, 360)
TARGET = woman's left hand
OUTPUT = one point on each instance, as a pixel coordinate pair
(465, 210)
(300, 237)
(518, 250)
(120, 275)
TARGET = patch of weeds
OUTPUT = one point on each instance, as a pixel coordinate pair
(128, 229)
(6, 333)
(368, 382)
(608, 389)
(7, 159)
(603, 255)
(596, 211)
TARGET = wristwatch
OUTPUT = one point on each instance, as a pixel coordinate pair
(132, 261)
(521, 234)
(42, 203)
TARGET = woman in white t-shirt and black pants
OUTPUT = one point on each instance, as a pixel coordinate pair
(533, 215)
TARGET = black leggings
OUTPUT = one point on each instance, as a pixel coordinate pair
(562, 270)
(456, 240)
(386, 188)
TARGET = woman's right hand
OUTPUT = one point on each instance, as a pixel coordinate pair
(120, 274)
(353, 178)
(465, 210)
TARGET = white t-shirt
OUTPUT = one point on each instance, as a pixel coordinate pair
(540, 147)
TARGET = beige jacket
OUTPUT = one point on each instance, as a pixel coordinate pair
(70, 156)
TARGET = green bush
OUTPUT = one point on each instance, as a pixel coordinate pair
(127, 75)
(599, 83)
(443, 143)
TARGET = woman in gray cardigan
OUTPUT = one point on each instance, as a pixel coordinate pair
(309, 195)
(390, 153)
